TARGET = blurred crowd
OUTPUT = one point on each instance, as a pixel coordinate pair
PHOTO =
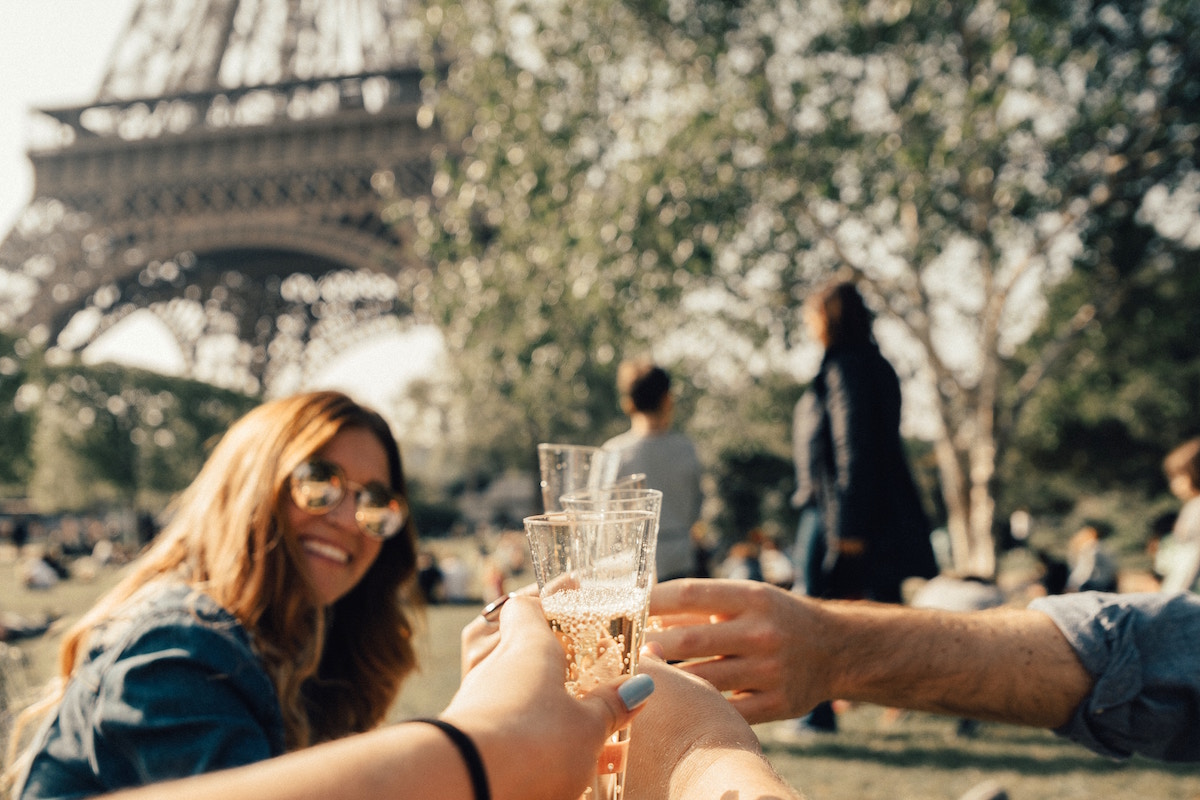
(51, 549)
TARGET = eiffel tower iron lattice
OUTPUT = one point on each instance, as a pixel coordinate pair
(231, 177)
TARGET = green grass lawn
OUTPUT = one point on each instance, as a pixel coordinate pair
(917, 757)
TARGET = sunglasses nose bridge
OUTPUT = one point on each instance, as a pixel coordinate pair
(329, 494)
(344, 511)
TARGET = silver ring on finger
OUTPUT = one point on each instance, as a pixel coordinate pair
(491, 612)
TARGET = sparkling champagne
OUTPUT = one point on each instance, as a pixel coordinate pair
(593, 574)
(601, 627)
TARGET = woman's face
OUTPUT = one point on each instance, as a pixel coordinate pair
(818, 327)
(1181, 486)
(337, 553)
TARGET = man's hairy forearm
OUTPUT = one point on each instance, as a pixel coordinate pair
(1007, 665)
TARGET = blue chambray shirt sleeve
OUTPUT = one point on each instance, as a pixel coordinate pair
(183, 701)
(1143, 650)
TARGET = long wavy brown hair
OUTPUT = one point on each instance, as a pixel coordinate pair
(336, 670)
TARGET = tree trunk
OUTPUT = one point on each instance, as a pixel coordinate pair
(981, 557)
(982, 442)
(966, 459)
(954, 493)
(969, 506)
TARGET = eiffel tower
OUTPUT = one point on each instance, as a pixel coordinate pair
(232, 177)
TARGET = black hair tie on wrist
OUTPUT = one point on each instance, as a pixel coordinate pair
(470, 754)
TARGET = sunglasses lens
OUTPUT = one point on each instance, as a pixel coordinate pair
(316, 486)
(379, 512)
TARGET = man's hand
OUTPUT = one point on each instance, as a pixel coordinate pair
(760, 643)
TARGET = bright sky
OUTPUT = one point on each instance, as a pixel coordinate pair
(53, 53)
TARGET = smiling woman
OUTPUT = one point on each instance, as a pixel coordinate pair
(272, 613)
(342, 523)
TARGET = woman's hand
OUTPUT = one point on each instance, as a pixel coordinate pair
(691, 744)
(480, 635)
(514, 705)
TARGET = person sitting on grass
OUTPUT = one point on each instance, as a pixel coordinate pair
(274, 611)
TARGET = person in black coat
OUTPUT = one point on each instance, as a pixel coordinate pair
(850, 461)
(863, 529)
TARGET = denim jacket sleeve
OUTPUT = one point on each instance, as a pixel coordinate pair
(178, 691)
(1143, 650)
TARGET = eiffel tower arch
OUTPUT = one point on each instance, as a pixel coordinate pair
(232, 177)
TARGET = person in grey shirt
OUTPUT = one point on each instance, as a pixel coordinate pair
(666, 457)
(1117, 673)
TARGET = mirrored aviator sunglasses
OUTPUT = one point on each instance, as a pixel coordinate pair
(318, 486)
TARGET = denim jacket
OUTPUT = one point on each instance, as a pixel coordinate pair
(171, 688)
(1143, 651)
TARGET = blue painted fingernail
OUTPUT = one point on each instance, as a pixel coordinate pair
(636, 691)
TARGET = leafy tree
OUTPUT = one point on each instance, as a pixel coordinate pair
(1128, 391)
(679, 175)
(16, 421)
(110, 435)
(963, 159)
(756, 488)
(539, 285)
(554, 228)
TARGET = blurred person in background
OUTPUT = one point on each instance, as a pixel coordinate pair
(862, 528)
(666, 457)
(1181, 567)
(1092, 567)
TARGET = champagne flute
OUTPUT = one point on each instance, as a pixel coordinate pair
(621, 496)
(567, 468)
(593, 572)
